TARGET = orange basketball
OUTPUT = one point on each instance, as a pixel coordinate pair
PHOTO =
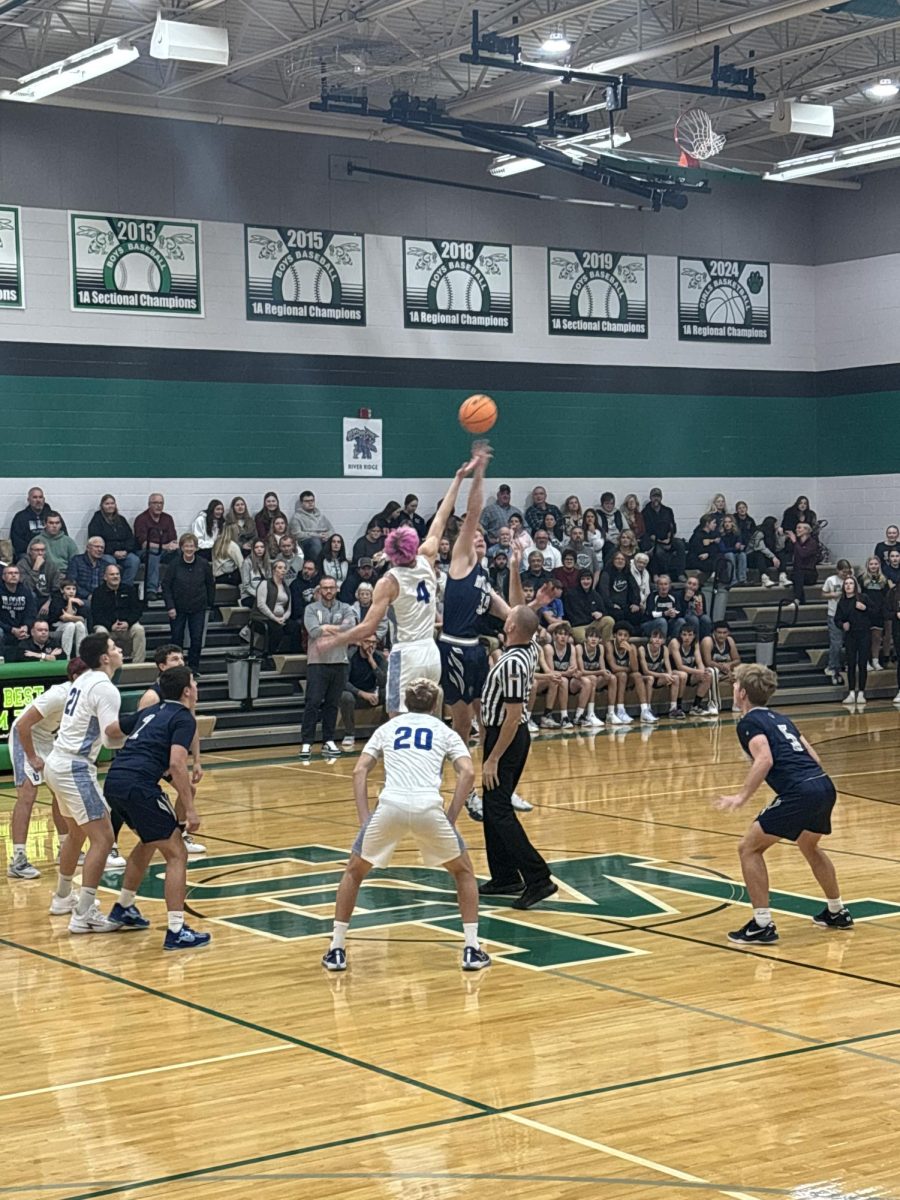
(478, 413)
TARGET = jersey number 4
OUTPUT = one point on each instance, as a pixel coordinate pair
(422, 592)
(421, 738)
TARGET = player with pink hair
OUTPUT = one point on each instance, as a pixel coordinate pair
(409, 589)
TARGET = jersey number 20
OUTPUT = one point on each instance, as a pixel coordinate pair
(421, 738)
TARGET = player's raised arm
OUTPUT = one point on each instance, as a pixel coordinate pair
(464, 552)
(429, 547)
(385, 593)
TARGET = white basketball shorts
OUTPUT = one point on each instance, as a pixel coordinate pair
(408, 661)
(74, 783)
(23, 771)
(389, 824)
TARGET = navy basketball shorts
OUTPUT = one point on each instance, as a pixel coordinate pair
(463, 671)
(146, 809)
(807, 808)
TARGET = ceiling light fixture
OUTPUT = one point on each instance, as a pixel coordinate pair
(556, 43)
(884, 89)
(77, 68)
(512, 164)
(881, 150)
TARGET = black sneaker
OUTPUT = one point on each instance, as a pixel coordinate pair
(535, 893)
(751, 932)
(697, 710)
(475, 959)
(831, 920)
(335, 959)
(678, 714)
(489, 888)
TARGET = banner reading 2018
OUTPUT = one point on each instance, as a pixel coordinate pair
(305, 276)
(451, 284)
(135, 265)
(597, 293)
(723, 300)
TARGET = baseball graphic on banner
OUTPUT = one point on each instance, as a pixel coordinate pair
(597, 293)
(305, 276)
(452, 284)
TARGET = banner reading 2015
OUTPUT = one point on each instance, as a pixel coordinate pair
(723, 300)
(597, 293)
(452, 284)
(12, 292)
(305, 276)
(135, 265)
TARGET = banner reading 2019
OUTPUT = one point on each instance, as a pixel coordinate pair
(305, 276)
(135, 265)
(452, 284)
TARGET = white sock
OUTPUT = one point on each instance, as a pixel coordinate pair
(86, 901)
(176, 921)
(579, 713)
(64, 885)
(611, 710)
(762, 916)
(18, 849)
(590, 709)
(835, 905)
(470, 929)
(126, 898)
(673, 705)
(339, 936)
(645, 708)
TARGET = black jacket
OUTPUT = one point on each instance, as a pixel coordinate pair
(189, 587)
(659, 524)
(708, 544)
(579, 605)
(115, 533)
(619, 590)
(26, 525)
(659, 605)
(109, 605)
(860, 621)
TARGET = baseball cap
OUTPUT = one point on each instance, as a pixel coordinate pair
(365, 562)
(655, 492)
(504, 487)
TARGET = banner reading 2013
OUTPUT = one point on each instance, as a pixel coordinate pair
(597, 293)
(135, 265)
(452, 284)
(723, 300)
(305, 276)
(12, 291)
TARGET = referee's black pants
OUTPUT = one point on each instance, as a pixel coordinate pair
(510, 854)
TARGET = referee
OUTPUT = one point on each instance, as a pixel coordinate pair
(516, 867)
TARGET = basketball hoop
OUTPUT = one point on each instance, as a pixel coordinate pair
(698, 140)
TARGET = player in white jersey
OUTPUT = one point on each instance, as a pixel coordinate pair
(90, 719)
(409, 589)
(414, 747)
(35, 725)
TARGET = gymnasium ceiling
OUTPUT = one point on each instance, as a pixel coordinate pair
(820, 52)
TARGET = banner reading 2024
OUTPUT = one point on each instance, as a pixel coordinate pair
(12, 292)
(597, 293)
(450, 284)
(305, 276)
(723, 300)
(135, 265)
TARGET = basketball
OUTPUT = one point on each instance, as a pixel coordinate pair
(478, 414)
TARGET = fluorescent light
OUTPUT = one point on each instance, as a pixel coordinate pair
(843, 159)
(556, 43)
(884, 89)
(578, 148)
(77, 68)
(512, 164)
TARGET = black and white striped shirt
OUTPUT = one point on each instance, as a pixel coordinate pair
(509, 680)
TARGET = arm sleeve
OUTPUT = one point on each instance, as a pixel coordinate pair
(128, 721)
(183, 730)
(311, 620)
(516, 684)
(108, 703)
(52, 702)
(374, 747)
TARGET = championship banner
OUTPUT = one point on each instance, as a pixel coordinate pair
(305, 276)
(12, 281)
(135, 265)
(362, 446)
(723, 300)
(457, 285)
(597, 293)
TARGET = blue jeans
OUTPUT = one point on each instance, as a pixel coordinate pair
(655, 623)
(153, 557)
(196, 628)
(738, 561)
(702, 626)
(128, 566)
(835, 646)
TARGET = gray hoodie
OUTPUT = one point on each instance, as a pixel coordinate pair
(316, 614)
(310, 524)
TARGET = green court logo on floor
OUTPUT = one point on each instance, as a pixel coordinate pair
(295, 890)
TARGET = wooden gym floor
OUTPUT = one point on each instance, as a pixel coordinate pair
(619, 1048)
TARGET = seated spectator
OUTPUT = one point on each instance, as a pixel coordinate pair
(667, 552)
(444, 554)
(734, 550)
(535, 573)
(332, 561)
(60, 547)
(633, 517)
(567, 572)
(703, 550)
(720, 654)
(157, 539)
(638, 567)
(551, 614)
(270, 510)
(806, 558)
(30, 521)
(303, 591)
(766, 545)
(371, 543)
(18, 612)
(549, 553)
(392, 515)
(116, 610)
(619, 592)
(272, 610)
(623, 661)
(520, 535)
(360, 609)
(718, 507)
(746, 526)
(255, 568)
(874, 586)
(277, 530)
(657, 672)
(189, 593)
(410, 510)
(504, 542)
(109, 524)
(586, 558)
(583, 607)
(593, 534)
(536, 510)
(832, 590)
(628, 544)
(798, 511)
(498, 572)
(363, 572)
(290, 556)
(39, 573)
(571, 514)
(498, 513)
(695, 614)
(227, 559)
(592, 662)
(552, 530)
(87, 569)
(208, 526)
(891, 542)
(68, 618)
(664, 604)
(309, 525)
(611, 524)
(365, 686)
(243, 527)
(567, 678)
(684, 654)
(38, 647)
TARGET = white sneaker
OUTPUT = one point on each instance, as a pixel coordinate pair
(20, 868)
(593, 721)
(520, 804)
(61, 906)
(648, 717)
(860, 697)
(93, 921)
(850, 698)
(348, 743)
(532, 728)
(192, 845)
(613, 718)
(874, 665)
(114, 860)
(474, 806)
(711, 711)
(623, 716)
(549, 723)
(331, 748)
(896, 699)
(767, 582)
(783, 580)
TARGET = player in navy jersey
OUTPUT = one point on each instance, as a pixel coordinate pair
(158, 743)
(801, 811)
